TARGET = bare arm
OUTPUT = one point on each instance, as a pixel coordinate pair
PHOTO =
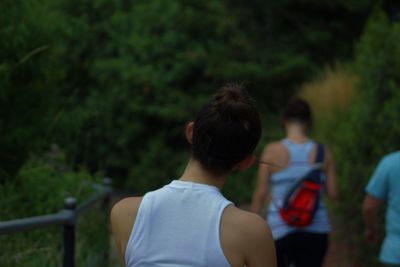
(370, 209)
(117, 231)
(122, 217)
(262, 186)
(261, 190)
(330, 170)
(260, 249)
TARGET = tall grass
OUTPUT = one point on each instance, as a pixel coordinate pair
(342, 118)
(330, 95)
(332, 90)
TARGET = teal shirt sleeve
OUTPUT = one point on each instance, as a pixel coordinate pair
(378, 184)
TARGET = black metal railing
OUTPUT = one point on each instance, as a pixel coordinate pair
(66, 217)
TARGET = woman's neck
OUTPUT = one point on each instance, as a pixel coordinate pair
(195, 173)
(296, 132)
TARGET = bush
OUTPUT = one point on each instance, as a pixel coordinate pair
(40, 188)
(362, 134)
(371, 129)
(29, 77)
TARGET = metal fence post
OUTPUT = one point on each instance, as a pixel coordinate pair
(107, 182)
(69, 233)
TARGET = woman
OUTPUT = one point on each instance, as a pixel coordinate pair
(188, 222)
(289, 160)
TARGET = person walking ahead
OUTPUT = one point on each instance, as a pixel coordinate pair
(384, 186)
(288, 161)
(189, 222)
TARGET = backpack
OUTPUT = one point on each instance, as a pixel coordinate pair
(302, 199)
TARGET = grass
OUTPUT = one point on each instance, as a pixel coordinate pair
(330, 95)
(331, 91)
(40, 188)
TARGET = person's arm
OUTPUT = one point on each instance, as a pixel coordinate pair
(262, 185)
(122, 217)
(330, 171)
(370, 210)
(377, 190)
(117, 230)
(260, 248)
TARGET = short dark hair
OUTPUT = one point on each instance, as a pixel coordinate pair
(298, 110)
(226, 130)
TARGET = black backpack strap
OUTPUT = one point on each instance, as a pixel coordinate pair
(320, 153)
(315, 173)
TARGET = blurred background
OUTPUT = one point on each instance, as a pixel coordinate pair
(104, 87)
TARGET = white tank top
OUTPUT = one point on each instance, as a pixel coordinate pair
(178, 225)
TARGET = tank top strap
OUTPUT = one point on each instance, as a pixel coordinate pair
(298, 153)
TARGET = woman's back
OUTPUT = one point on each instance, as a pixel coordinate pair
(300, 160)
(178, 225)
(296, 164)
(189, 222)
(287, 162)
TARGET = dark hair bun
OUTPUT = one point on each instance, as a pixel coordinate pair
(232, 99)
(226, 129)
(298, 110)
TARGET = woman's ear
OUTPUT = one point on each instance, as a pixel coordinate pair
(247, 162)
(189, 132)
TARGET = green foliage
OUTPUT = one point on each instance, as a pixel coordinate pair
(155, 69)
(28, 77)
(40, 188)
(312, 31)
(370, 129)
(145, 68)
(112, 82)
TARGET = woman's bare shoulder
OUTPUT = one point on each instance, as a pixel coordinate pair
(275, 153)
(238, 221)
(124, 211)
(244, 233)
(274, 147)
(122, 217)
(124, 208)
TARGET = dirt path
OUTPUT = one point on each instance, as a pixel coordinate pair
(339, 252)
